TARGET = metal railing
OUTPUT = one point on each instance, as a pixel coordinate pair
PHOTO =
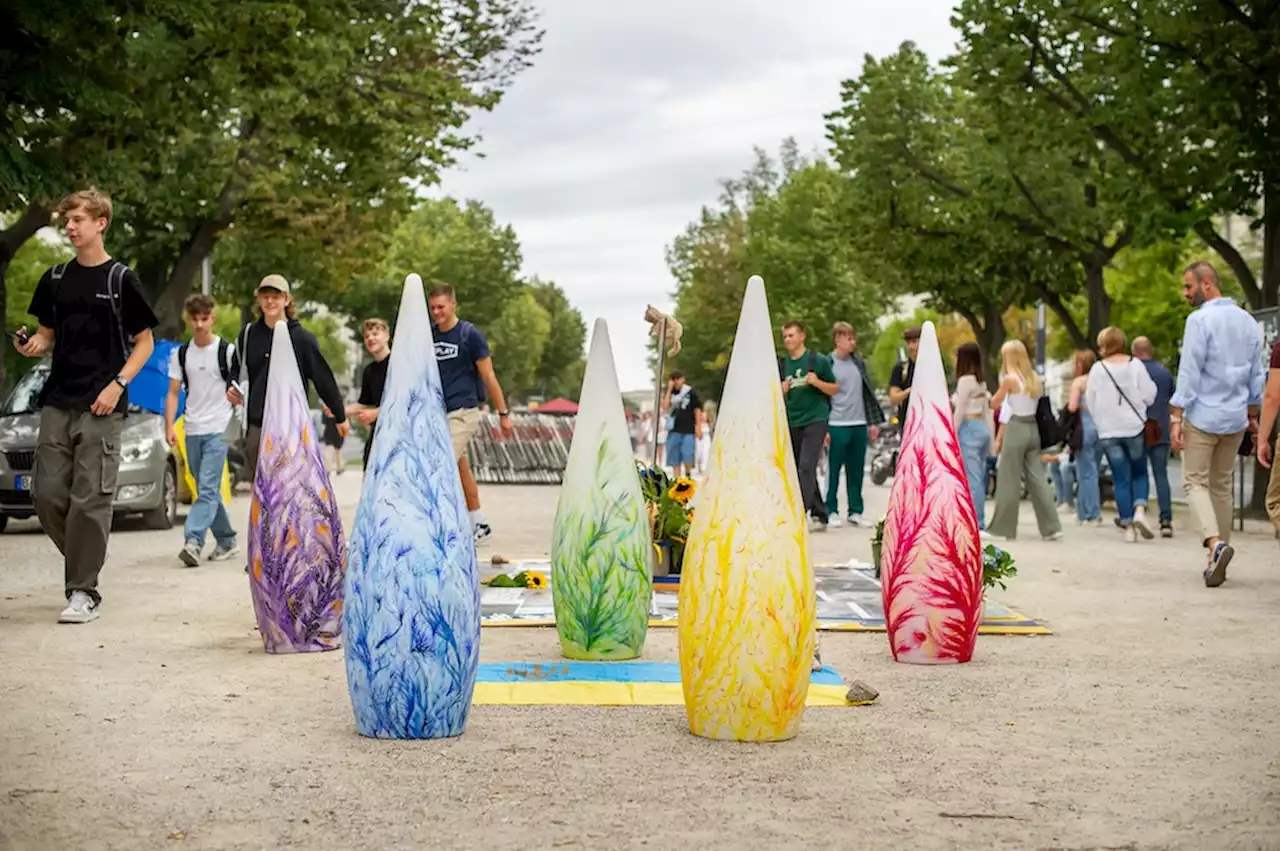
(536, 455)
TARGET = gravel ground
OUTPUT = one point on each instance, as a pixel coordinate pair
(1151, 719)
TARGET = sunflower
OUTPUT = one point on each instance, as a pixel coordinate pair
(682, 491)
(535, 580)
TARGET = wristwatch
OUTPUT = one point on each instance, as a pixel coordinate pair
(122, 381)
(502, 414)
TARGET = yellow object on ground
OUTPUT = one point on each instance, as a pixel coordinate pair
(188, 480)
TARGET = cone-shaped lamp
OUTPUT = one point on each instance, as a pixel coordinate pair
(601, 547)
(747, 605)
(413, 593)
(296, 550)
(931, 559)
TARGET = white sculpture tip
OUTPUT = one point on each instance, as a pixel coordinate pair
(755, 281)
(413, 279)
(600, 326)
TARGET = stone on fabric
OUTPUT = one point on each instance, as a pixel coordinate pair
(296, 550)
(747, 600)
(601, 550)
(931, 561)
(413, 593)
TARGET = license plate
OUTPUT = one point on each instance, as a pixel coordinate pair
(23, 483)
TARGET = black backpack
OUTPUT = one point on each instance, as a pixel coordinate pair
(813, 363)
(115, 295)
(226, 365)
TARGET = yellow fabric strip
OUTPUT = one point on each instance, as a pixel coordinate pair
(580, 693)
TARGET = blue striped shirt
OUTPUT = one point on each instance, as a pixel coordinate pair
(1220, 373)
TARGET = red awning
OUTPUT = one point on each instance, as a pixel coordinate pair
(557, 406)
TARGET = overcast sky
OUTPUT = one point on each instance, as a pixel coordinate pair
(601, 153)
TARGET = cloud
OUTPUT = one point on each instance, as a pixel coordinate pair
(607, 148)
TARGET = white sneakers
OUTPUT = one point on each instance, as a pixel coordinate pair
(1130, 536)
(482, 531)
(835, 521)
(1140, 522)
(190, 554)
(80, 609)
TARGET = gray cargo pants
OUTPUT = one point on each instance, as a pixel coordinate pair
(77, 464)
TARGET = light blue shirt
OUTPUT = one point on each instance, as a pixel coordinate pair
(1220, 373)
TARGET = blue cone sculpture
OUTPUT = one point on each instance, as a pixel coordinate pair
(412, 615)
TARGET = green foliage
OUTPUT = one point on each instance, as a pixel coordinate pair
(560, 371)
(517, 339)
(786, 221)
(1175, 93)
(997, 567)
(28, 265)
(668, 500)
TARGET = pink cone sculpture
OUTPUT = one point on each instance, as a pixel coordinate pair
(932, 556)
(297, 556)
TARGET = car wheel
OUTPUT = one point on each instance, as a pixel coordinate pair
(165, 515)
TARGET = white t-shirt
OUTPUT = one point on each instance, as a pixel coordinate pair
(1119, 407)
(208, 410)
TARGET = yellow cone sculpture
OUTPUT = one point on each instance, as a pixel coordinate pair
(747, 605)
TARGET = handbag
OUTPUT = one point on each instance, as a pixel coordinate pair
(1152, 434)
(1051, 433)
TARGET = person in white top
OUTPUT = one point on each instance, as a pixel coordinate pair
(1119, 391)
(1020, 450)
(206, 367)
(972, 414)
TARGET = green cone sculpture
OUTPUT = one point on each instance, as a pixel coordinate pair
(601, 551)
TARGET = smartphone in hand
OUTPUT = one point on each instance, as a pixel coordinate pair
(21, 336)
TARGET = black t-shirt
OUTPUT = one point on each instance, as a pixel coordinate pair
(87, 350)
(684, 404)
(373, 381)
(901, 377)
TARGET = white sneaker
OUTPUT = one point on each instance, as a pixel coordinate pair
(837, 521)
(482, 531)
(1141, 524)
(816, 525)
(857, 520)
(1130, 536)
(80, 609)
(1053, 536)
(190, 554)
(221, 553)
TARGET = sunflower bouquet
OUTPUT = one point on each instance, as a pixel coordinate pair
(668, 501)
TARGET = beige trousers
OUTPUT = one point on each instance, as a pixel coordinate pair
(1273, 495)
(1207, 463)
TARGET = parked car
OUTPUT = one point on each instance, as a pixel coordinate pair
(150, 474)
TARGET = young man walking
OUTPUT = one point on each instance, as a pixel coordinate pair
(1158, 455)
(206, 366)
(807, 385)
(373, 381)
(93, 317)
(1266, 427)
(855, 419)
(275, 304)
(682, 405)
(1218, 392)
(466, 374)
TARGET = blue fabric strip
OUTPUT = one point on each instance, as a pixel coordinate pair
(618, 672)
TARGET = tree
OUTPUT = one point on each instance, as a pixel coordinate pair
(970, 204)
(266, 151)
(559, 373)
(1183, 93)
(517, 339)
(25, 270)
(785, 221)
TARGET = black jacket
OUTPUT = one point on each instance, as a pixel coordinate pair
(254, 344)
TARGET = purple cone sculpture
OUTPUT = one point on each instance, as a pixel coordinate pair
(297, 556)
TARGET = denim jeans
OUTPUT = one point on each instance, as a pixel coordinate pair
(1063, 475)
(1158, 458)
(975, 444)
(206, 456)
(1128, 459)
(1088, 493)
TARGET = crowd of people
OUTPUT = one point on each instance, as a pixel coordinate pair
(1121, 406)
(95, 324)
